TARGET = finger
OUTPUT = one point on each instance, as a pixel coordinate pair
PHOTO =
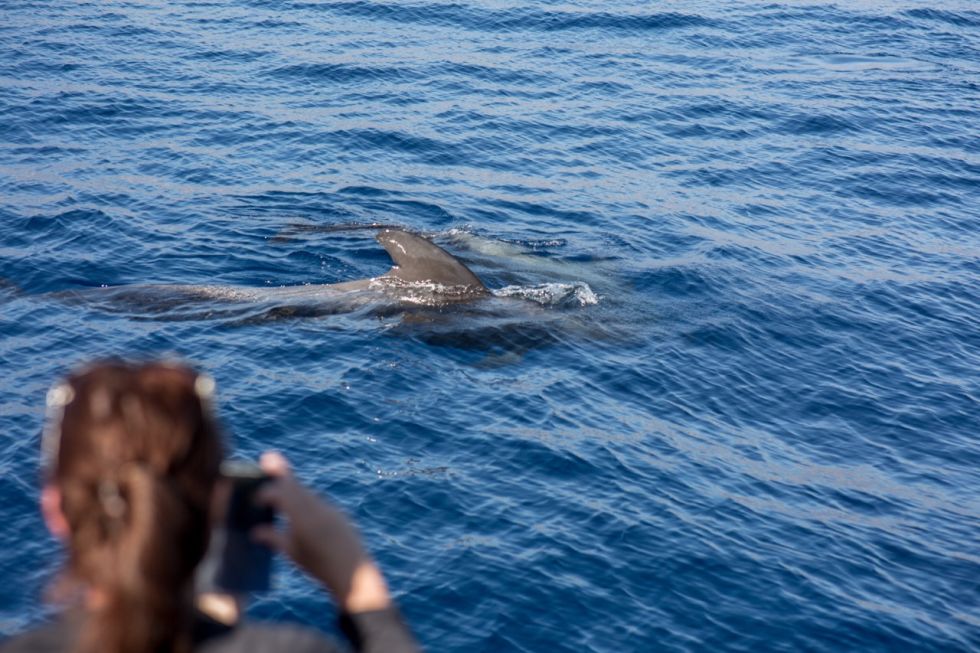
(270, 494)
(270, 536)
(274, 463)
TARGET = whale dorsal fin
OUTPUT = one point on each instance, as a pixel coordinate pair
(419, 261)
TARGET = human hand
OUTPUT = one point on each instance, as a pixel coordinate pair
(320, 539)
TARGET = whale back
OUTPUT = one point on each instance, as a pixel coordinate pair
(418, 260)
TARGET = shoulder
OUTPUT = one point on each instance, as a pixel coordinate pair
(60, 636)
(261, 638)
(53, 637)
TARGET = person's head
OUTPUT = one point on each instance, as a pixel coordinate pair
(132, 455)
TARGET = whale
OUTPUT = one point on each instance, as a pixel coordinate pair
(428, 294)
(422, 274)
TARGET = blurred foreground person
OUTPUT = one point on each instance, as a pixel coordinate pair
(130, 465)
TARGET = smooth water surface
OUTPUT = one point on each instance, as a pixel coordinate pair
(726, 397)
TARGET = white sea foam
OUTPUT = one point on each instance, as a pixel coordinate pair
(552, 294)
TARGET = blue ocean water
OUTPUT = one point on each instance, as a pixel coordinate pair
(727, 398)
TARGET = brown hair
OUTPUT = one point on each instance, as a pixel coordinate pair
(137, 459)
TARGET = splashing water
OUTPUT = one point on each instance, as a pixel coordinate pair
(552, 294)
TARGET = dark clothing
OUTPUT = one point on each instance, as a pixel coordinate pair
(382, 631)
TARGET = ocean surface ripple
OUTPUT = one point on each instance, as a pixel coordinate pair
(725, 394)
